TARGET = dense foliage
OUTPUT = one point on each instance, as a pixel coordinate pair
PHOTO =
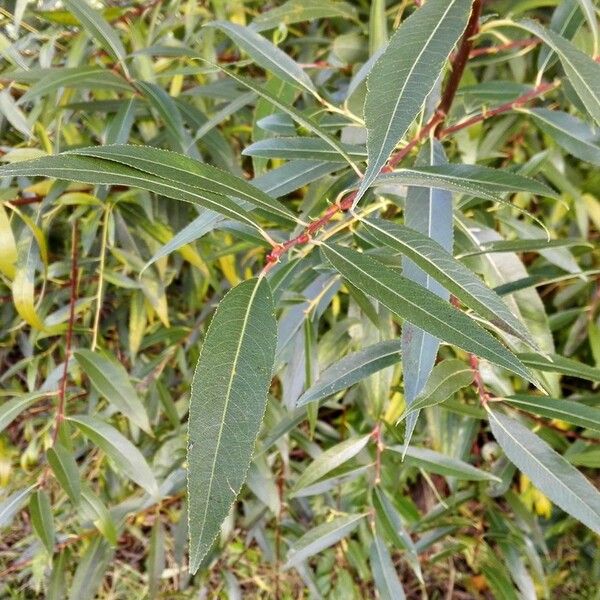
(299, 299)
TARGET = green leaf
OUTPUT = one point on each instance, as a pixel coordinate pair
(548, 470)
(95, 510)
(156, 559)
(229, 394)
(196, 176)
(90, 570)
(410, 301)
(384, 572)
(12, 505)
(321, 537)
(351, 369)
(575, 136)
(475, 180)
(125, 456)
(554, 363)
(430, 212)
(446, 378)
(296, 11)
(582, 70)
(94, 23)
(110, 380)
(296, 115)
(76, 77)
(405, 74)
(94, 171)
(442, 464)
(40, 512)
(453, 275)
(65, 470)
(10, 410)
(329, 460)
(8, 246)
(520, 245)
(309, 148)
(266, 54)
(552, 408)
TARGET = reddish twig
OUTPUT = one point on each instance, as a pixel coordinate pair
(487, 50)
(484, 397)
(538, 91)
(62, 391)
(459, 63)
(379, 447)
(26, 201)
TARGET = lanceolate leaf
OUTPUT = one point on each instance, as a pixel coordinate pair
(309, 148)
(405, 74)
(410, 301)
(554, 363)
(384, 572)
(229, 392)
(446, 378)
(111, 380)
(125, 456)
(329, 460)
(565, 410)
(475, 180)
(267, 55)
(582, 70)
(442, 464)
(11, 409)
(351, 369)
(296, 115)
(95, 171)
(548, 470)
(178, 167)
(568, 131)
(93, 21)
(41, 518)
(321, 537)
(428, 211)
(453, 275)
(65, 470)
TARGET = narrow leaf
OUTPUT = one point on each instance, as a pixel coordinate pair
(384, 572)
(266, 54)
(329, 460)
(65, 470)
(321, 537)
(125, 456)
(111, 381)
(445, 380)
(419, 306)
(41, 519)
(405, 74)
(11, 409)
(351, 369)
(228, 399)
(554, 363)
(548, 470)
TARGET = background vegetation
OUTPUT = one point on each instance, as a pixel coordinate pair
(108, 282)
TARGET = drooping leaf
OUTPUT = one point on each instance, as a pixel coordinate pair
(11, 409)
(428, 211)
(329, 460)
(125, 456)
(554, 363)
(266, 54)
(384, 572)
(405, 74)
(446, 378)
(547, 469)
(351, 369)
(110, 379)
(475, 180)
(453, 275)
(229, 392)
(582, 70)
(42, 522)
(296, 11)
(65, 470)
(321, 537)
(552, 408)
(442, 464)
(11, 505)
(410, 301)
(575, 136)
(90, 570)
(94, 23)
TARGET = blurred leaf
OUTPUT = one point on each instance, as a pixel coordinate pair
(384, 572)
(40, 512)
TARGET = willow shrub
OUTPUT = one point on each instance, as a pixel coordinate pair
(299, 299)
